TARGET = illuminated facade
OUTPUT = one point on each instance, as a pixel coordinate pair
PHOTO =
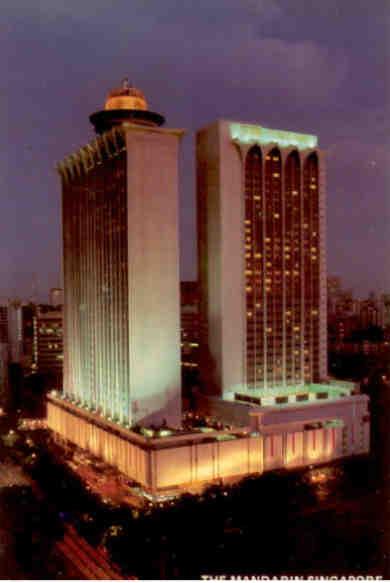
(169, 462)
(261, 228)
(121, 275)
(261, 307)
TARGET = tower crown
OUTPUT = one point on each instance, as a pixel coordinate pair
(125, 105)
(126, 97)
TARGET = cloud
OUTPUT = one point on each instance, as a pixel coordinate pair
(268, 9)
(304, 69)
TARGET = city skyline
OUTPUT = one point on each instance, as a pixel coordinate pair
(267, 63)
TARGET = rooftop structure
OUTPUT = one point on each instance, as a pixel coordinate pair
(125, 105)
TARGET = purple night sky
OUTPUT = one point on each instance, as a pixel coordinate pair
(314, 67)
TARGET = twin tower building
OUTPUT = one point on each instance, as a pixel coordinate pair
(262, 272)
(264, 392)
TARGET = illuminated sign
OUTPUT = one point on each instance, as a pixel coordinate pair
(248, 134)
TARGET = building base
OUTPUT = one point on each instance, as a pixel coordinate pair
(184, 461)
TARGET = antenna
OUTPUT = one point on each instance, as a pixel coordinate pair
(34, 286)
(125, 83)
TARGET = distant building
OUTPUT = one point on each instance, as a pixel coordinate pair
(15, 331)
(4, 324)
(20, 332)
(384, 310)
(190, 324)
(4, 381)
(48, 352)
(56, 296)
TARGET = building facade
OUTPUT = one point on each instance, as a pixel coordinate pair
(48, 350)
(121, 266)
(4, 324)
(262, 265)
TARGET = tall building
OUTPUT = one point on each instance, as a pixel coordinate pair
(121, 265)
(261, 229)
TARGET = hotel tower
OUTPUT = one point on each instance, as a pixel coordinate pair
(121, 266)
(261, 229)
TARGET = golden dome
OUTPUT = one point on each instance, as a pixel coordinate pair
(126, 97)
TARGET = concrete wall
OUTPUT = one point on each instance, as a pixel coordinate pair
(153, 257)
(221, 255)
